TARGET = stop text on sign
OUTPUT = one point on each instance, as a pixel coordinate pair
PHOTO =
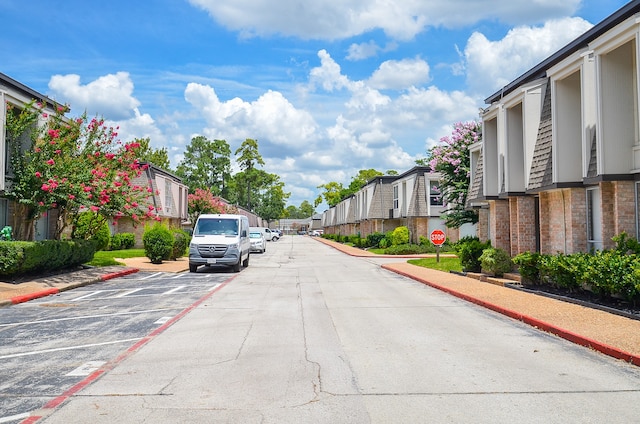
(438, 237)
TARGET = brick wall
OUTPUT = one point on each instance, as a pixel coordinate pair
(563, 221)
(619, 211)
(499, 223)
(483, 224)
(523, 224)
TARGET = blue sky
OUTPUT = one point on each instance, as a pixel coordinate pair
(327, 87)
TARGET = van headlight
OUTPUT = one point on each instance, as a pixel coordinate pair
(233, 246)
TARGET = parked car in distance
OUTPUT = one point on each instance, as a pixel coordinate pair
(258, 242)
(316, 233)
(276, 230)
(268, 234)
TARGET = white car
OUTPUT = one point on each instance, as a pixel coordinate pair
(258, 242)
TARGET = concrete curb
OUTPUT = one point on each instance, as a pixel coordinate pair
(534, 322)
(55, 290)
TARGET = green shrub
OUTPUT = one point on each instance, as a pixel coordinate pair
(626, 244)
(373, 239)
(121, 241)
(399, 236)
(180, 242)
(564, 271)
(92, 226)
(495, 261)
(26, 257)
(528, 266)
(405, 249)
(469, 250)
(158, 243)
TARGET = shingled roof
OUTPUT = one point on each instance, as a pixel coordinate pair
(541, 174)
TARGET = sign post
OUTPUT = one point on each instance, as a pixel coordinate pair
(438, 238)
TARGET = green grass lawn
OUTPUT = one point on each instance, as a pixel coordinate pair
(446, 264)
(107, 257)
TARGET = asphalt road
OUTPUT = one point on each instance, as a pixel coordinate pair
(307, 334)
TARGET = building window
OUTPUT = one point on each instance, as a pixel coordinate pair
(396, 201)
(435, 196)
(167, 196)
(594, 220)
(4, 212)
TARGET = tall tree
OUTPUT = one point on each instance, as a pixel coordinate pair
(364, 175)
(206, 165)
(158, 157)
(248, 157)
(452, 159)
(306, 209)
(332, 192)
(272, 200)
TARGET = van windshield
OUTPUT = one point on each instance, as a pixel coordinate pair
(216, 226)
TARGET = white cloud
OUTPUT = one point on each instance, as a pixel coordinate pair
(271, 119)
(369, 49)
(493, 64)
(400, 74)
(110, 96)
(338, 19)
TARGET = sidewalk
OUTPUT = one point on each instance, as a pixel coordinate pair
(605, 332)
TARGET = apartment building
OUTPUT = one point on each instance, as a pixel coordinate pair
(558, 167)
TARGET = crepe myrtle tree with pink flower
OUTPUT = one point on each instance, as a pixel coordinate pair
(451, 158)
(71, 165)
(203, 201)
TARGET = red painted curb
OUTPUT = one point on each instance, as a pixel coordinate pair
(534, 322)
(27, 297)
(109, 276)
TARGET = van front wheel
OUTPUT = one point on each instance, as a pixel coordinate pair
(236, 266)
(193, 267)
(246, 261)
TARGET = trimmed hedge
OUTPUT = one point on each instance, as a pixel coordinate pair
(26, 257)
(121, 241)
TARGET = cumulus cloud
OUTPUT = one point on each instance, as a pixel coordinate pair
(338, 19)
(400, 74)
(110, 95)
(369, 49)
(271, 119)
(493, 64)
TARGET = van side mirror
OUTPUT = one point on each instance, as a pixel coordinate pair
(243, 233)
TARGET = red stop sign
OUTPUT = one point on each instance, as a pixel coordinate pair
(438, 237)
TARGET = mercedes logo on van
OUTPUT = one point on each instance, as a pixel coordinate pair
(212, 249)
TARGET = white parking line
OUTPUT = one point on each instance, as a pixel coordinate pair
(173, 290)
(162, 320)
(61, 349)
(86, 369)
(87, 295)
(46, 321)
(10, 418)
(150, 276)
(128, 292)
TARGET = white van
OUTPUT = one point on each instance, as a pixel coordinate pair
(268, 234)
(220, 239)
